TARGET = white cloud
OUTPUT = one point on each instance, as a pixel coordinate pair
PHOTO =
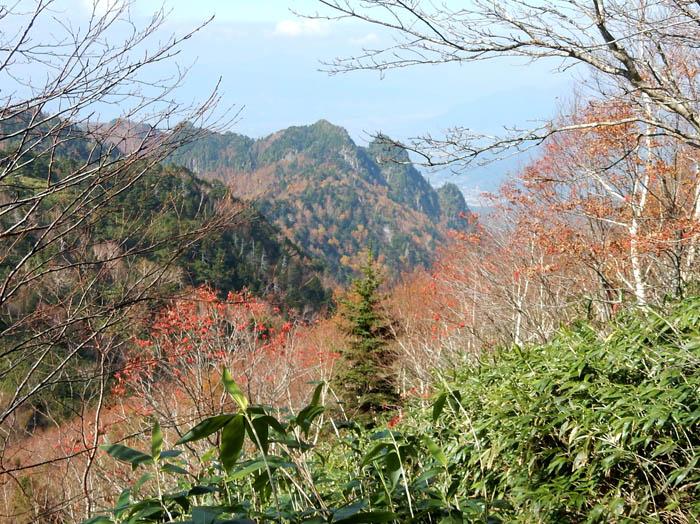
(295, 28)
(364, 40)
(225, 32)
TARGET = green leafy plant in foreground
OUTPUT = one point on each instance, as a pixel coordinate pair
(349, 476)
(589, 427)
(586, 428)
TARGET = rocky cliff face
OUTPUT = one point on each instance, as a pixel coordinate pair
(331, 196)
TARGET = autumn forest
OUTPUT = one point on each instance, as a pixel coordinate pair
(201, 326)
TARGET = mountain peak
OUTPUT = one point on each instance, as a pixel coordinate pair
(453, 206)
(333, 197)
(325, 124)
(325, 127)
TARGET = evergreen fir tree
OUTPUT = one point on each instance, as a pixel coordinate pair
(365, 378)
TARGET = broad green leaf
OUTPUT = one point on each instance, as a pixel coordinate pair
(455, 399)
(666, 447)
(368, 517)
(431, 504)
(99, 520)
(179, 497)
(673, 505)
(393, 468)
(439, 405)
(374, 453)
(259, 429)
(617, 506)
(349, 510)
(203, 516)
(435, 451)
(234, 390)
(127, 454)
(208, 455)
(156, 440)
(428, 474)
(597, 512)
(206, 428)
(255, 466)
(580, 460)
(123, 503)
(306, 416)
(263, 486)
(501, 504)
(200, 490)
(144, 509)
(172, 468)
(316, 398)
(678, 476)
(232, 438)
(140, 482)
(273, 423)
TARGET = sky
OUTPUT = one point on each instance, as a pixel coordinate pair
(270, 63)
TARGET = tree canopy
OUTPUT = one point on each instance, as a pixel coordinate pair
(365, 377)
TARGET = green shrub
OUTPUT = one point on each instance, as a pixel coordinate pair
(588, 428)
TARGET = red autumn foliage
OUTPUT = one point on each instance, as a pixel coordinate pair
(184, 349)
(598, 220)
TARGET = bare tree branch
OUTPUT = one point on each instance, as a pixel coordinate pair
(640, 51)
(67, 289)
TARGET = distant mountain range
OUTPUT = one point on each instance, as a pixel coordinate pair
(249, 252)
(332, 196)
(320, 200)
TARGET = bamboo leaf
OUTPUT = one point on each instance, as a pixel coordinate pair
(393, 467)
(206, 428)
(439, 405)
(156, 441)
(234, 390)
(374, 453)
(127, 454)
(172, 468)
(368, 517)
(140, 482)
(259, 428)
(250, 468)
(316, 398)
(435, 451)
(123, 503)
(232, 438)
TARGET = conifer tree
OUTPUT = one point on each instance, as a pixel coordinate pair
(365, 378)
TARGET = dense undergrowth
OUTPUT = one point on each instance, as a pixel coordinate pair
(589, 427)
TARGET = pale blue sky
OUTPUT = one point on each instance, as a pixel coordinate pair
(269, 62)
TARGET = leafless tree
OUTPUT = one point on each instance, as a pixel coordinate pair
(67, 293)
(644, 51)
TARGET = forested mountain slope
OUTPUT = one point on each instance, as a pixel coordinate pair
(73, 252)
(332, 196)
(247, 252)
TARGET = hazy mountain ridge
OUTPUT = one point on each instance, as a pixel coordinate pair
(249, 252)
(332, 196)
(407, 185)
